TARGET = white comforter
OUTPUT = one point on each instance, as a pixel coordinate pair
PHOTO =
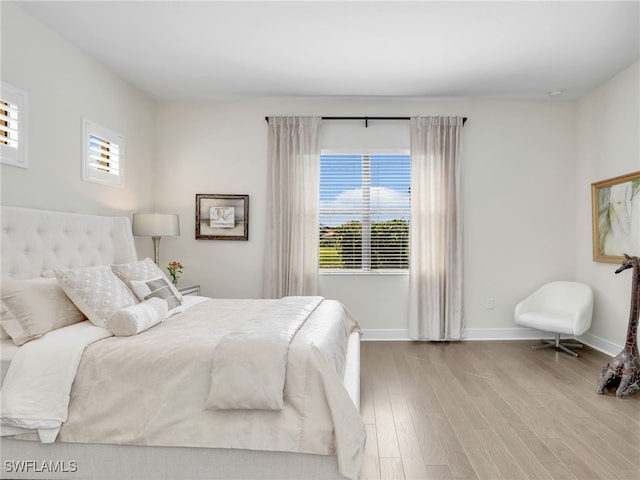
(151, 388)
(35, 392)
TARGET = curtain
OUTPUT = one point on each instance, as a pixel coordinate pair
(435, 278)
(291, 247)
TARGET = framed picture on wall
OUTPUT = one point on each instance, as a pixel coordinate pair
(222, 216)
(616, 218)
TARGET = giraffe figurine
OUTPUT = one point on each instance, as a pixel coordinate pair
(624, 370)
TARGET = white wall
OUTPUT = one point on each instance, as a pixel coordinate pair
(64, 84)
(519, 200)
(608, 145)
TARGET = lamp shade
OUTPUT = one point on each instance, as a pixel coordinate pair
(155, 224)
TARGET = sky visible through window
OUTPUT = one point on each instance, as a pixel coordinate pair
(343, 178)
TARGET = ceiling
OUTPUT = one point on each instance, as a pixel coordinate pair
(180, 50)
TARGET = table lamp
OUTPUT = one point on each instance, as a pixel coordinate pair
(155, 225)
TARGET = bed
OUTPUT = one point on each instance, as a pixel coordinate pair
(311, 431)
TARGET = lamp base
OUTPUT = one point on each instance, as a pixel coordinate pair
(156, 249)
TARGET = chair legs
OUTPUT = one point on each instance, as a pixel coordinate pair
(558, 346)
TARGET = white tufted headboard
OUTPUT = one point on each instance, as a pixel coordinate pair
(37, 240)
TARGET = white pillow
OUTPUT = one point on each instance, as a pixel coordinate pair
(96, 291)
(158, 287)
(142, 270)
(31, 308)
(137, 318)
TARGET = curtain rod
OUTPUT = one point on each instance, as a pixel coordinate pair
(366, 119)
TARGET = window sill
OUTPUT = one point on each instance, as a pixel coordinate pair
(363, 273)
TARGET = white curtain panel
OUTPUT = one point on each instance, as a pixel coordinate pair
(291, 247)
(435, 278)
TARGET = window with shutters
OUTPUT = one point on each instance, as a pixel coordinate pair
(364, 213)
(13, 126)
(102, 155)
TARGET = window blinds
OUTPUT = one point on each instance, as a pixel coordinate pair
(13, 126)
(102, 155)
(364, 212)
(9, 118)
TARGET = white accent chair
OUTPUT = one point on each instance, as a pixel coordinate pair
(560, 308)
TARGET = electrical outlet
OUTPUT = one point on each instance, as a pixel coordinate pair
(489, 303)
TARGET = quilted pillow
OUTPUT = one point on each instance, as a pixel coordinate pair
(31, 308)
(96, 291)
(142, 270)
(137, 318)
(158, 287)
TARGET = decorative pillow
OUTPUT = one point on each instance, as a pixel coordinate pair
(31, 308)
(142, 270)
(158, 287)
(96, 291)
(137, 318)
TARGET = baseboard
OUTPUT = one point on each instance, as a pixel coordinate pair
(385, 335)
(402, 334)
(504, 334)
(473, 334)
(600, 344)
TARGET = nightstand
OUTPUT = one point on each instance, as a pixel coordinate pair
(193, 290)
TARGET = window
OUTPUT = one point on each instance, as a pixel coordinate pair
(364, 212)
(102, 155)
(13, 126)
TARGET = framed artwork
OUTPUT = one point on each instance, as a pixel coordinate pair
(616, 218)
(222, 217)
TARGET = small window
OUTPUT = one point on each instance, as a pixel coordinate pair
(102, 155)
(364, 213)
(13, 126)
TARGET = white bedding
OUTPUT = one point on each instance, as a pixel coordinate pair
(37, 378)
(169, 383)
(257, 381)
(8, 350)
(35, 393)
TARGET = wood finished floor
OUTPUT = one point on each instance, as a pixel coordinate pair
(493, 410)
